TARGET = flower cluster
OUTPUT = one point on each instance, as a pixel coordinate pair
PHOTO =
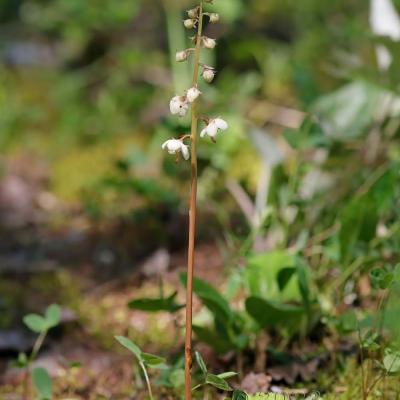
(179, 104)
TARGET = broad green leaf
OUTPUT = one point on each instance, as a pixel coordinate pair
(391, 362)
(130, 346)
(206, 335)
(267, 313)
(201, 362)
(42, 383)
(35, 323)
(53, 315)
(262, 276)
(217, 382)
(210, 298)
(284, 276)
(154, 305)
(153, 361)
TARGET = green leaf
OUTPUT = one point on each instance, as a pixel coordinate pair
(210, 298)
(391, 362)
(284, 277)
(302, 273)
(53, 315)
(42, 383)
(264, 276)
(206, 335)
(357, 223)
(239, 395)
(35, 323)
(201, 362)
(21, 361)
(153, 361)
(155, 305)
(348, 322)
(272, 314)
(381, 278)
(130, 346)
(217, 382)
(227, 375)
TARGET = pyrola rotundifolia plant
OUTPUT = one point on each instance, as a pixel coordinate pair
(185, 145)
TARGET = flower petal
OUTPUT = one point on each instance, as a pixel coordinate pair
(185, 151)
(221, 124)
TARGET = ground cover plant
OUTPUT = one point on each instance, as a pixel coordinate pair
(275, 124)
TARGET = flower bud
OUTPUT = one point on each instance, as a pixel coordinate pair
(189, 23)
(192, 94)
(208, 75)
(181, 56)
(214, 17)
(193, 13)
(209, 43)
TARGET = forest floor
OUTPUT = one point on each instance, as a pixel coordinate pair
(86, 362)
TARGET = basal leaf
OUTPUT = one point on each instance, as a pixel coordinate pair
(42, 383)
(272, 314)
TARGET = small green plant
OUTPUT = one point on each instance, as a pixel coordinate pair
(145, 360)
(173, 377)
(40, 324)
(217, 381)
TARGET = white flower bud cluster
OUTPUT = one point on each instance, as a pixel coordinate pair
(179, 105)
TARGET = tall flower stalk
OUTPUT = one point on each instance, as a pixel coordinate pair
(179, 105)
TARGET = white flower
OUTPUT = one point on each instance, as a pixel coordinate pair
(174, 146)
(179, 106)
(214, 17)
(181, 56)
(209, 43)
(208, 75)
(193, 13)
(213, 127)
(189, 23)
(192, 94)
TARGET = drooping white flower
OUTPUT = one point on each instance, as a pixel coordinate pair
(208, 74)
(174, 146)
(385, 21)
(192, 94)
(193, 13)
(213, 127)
(209, 43)
(189, 23)
(179, 106)
(214, 17)
(181, 56)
